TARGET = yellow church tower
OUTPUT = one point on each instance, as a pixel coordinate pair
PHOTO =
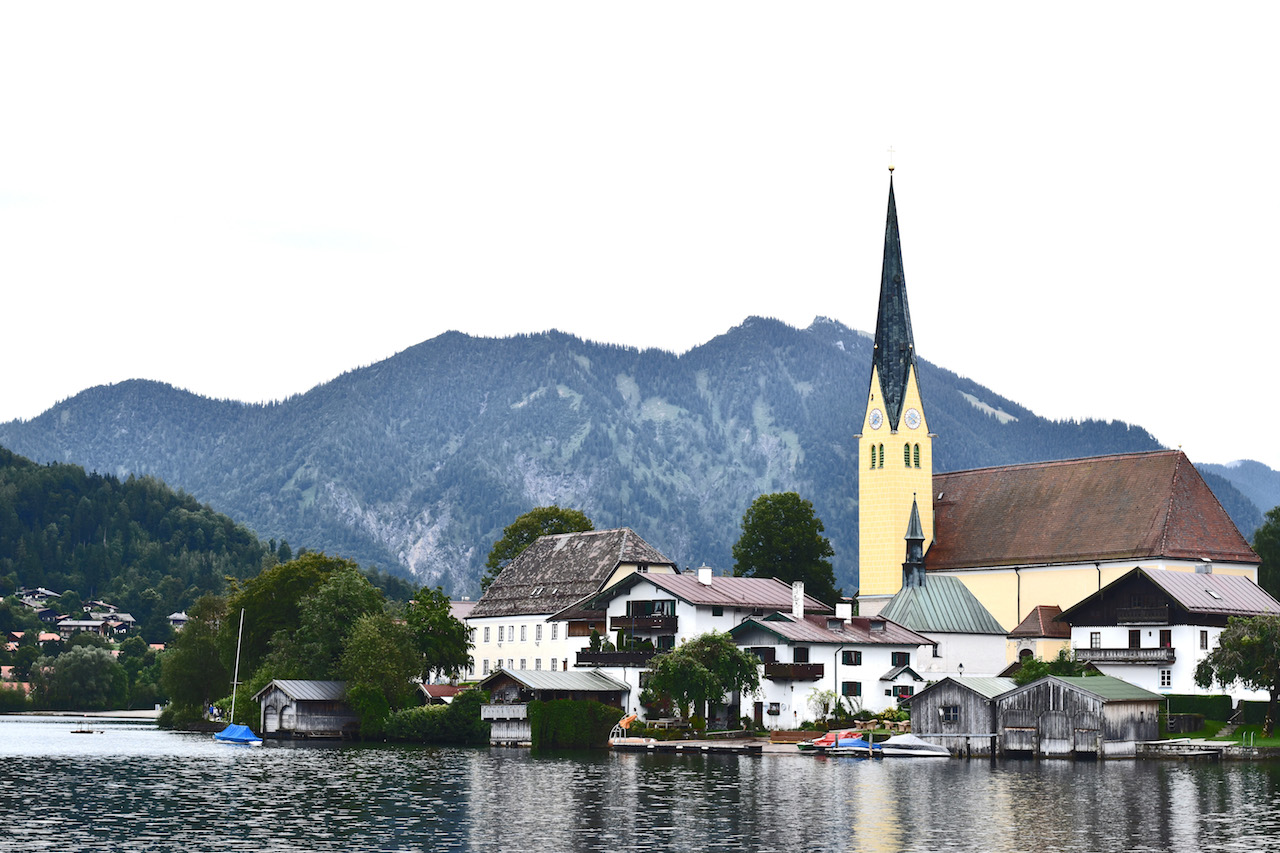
(895, 448)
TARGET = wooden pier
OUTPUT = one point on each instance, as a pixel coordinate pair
(692, 747)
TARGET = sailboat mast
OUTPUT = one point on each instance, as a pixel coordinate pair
(235, 679)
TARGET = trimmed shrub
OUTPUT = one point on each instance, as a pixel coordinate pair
(1255, 713)
(572, 723)
(1209, 707)
(456, 723)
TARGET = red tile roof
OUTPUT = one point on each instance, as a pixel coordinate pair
(1126, 506)
(1040, 623)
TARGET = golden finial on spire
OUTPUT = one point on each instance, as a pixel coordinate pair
(890, 159)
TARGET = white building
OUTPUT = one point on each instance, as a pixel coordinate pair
(1151, 627)
(511, 621)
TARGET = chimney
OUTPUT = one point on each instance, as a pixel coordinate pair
(844, 611)
(704, 575)
(797, 599)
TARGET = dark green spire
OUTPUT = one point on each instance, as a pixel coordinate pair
(895, 352)
(913, 569)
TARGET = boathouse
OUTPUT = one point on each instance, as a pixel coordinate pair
(511, 692)
(1067, 717)
(306, 709)
(959, 713)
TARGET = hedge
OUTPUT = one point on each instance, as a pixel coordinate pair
(458, 722)
(572, 723)
(1209, 707)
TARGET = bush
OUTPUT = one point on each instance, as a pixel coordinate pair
(572, 723)
(180, 717)
(12, 699)
(1210, 707)
(1255, 713)
(456, 723)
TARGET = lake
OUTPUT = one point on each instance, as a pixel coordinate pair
(131, 786)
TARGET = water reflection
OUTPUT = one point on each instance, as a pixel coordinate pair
(130, 786)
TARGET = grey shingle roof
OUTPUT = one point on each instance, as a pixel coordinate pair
(309, 691)
(546, 679)
(557, 571)
(1233, 595)
(942, 605)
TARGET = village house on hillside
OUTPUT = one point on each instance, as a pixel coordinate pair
(512, 622)
(1151, 627)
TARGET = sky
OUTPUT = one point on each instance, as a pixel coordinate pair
(249, 199)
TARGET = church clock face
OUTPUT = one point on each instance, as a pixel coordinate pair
(913, 419)
(876, 419)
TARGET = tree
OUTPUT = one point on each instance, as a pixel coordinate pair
(84, 678)
(1064, 666)
(192, 671)
(327, 615)
(1266, 543)
(379, 660)
(782, 538)
(524, 531)
(705, 669)
(443, 640)
(1248, 652)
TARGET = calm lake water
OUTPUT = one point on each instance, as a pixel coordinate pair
(130, 786)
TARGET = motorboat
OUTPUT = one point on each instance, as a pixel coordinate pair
(910, 746)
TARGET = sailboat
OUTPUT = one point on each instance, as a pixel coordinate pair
(233, 733)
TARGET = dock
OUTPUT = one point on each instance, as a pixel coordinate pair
(692, 747)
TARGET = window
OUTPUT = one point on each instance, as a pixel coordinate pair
(949, 713)
(800, 655)
(509, 664)
(775, 708)
(717, 610)
(553, 664)
(484, 667)
(1135, 639)
(554, 625)
(849, 658)
(900, 659)
(873, 457)
(881, 465)
(500, 635)
(1166, 639)
(906, 455)
(511, 632)
(666, 642)
(537, 663)
(1095, 639)
(915, 455)
(904, 690)
(522, 662)
(537, 633)
(851, 688)
(486, 633)
(523, 629)
(1166, 678)
(1204, 639)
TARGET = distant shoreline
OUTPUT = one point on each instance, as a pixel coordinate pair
(146, 714)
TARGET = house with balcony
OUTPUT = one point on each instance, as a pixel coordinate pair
(512, 625)
(1151, 627)
(644, 614)
(868, 662)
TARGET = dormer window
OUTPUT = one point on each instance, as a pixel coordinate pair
(877, 625)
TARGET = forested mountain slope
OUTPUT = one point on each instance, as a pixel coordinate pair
(417, 462)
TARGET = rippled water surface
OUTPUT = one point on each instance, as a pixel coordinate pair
(129, 786)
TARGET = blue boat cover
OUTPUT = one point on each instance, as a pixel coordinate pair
(237, 734)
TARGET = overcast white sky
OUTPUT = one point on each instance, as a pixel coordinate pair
(247, 199)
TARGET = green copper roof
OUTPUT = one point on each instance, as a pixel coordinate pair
(895, 352)
(943, 605)
(1111, 689)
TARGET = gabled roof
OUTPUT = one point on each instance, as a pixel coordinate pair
(590, 680)
(987, 687)
(1200, 594)
(1040, 624)
(308, 691)
(894, 355)
(742, 593)
(943, 605)
(1125, 506)
(1106, 687)
(557, 571)
(892, 675)
(814, 629)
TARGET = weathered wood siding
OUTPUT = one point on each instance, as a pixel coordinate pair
(1053, 719)
(280, 713)
(972, 732)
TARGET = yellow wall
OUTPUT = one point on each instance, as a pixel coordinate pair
(885, 493)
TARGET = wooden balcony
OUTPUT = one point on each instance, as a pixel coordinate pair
(1150, 656)
(1158, 615)
(504, 712)
(793, 671)
(643, 623)
(636, 657)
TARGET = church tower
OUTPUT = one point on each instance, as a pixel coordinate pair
(895, 448)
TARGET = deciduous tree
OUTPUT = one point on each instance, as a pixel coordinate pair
(379, 661)
(1248, 652)
(443, 641)
(1266, 543)
(705, 669)
(521, 533)
(782, 538)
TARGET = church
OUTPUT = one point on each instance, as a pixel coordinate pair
(1019, 538)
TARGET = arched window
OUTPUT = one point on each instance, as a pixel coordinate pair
(906, 455)
(873, 457)
(882, 456)
(915, 456)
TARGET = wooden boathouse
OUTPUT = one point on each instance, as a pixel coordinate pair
(306, 709)
(959, 713)
(1066, 717)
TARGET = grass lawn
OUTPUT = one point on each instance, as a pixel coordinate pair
(1252, 736)
(1210, 729)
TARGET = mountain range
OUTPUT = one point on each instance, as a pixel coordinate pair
(416, 463)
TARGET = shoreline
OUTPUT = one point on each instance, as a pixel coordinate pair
(144, 714)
